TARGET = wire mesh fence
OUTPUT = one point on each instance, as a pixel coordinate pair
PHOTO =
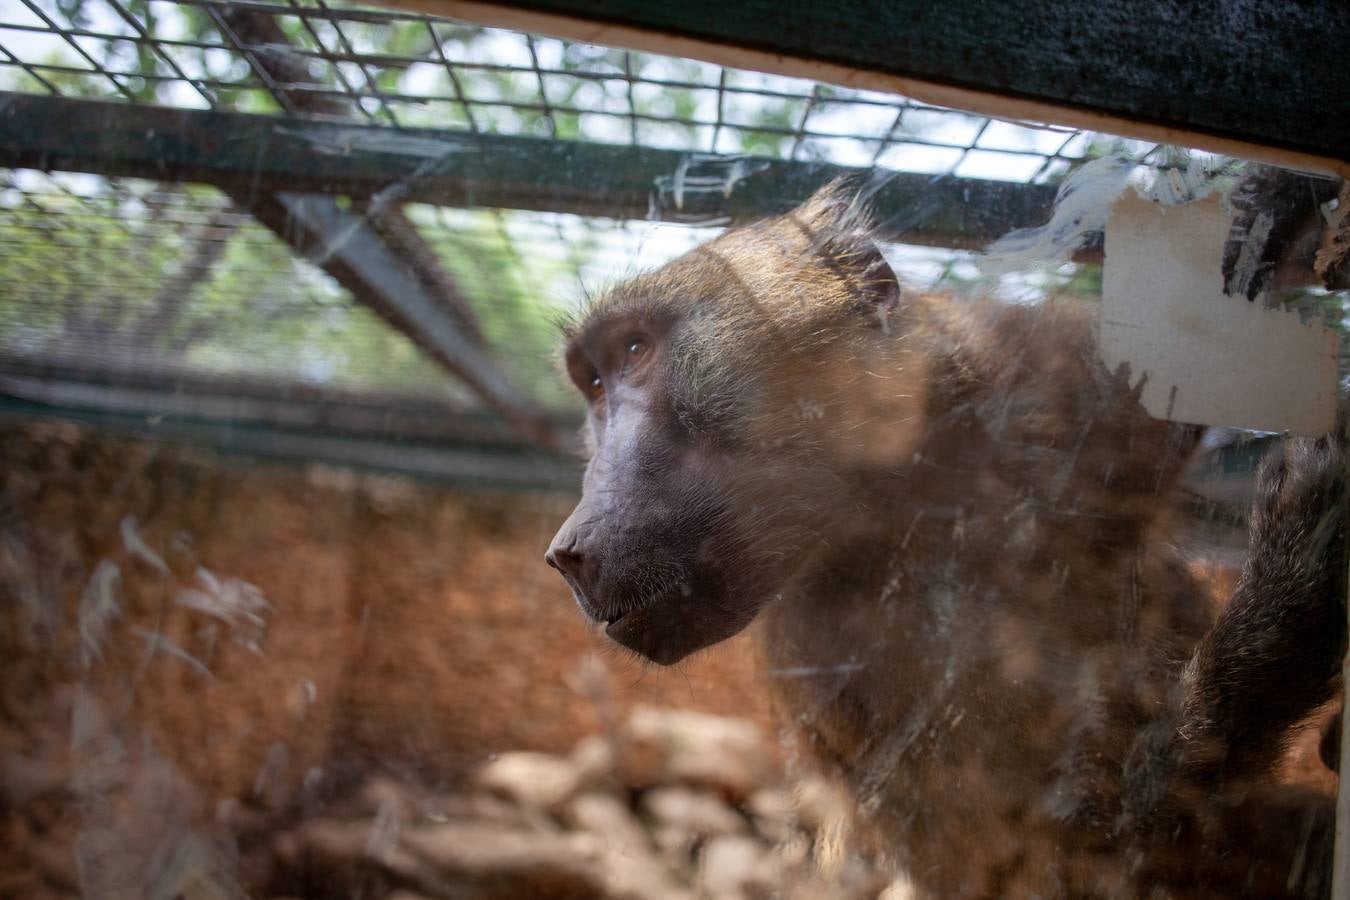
(183, 276)
(407, 70)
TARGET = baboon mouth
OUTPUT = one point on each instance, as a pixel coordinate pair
(640, 632)
(667, 630)
(620, 624)
(596, 613)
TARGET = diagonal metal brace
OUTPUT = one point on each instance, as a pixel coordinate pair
(345, 246)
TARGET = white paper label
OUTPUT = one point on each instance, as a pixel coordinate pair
(1209, 358)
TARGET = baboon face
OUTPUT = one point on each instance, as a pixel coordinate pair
(652, 549)
(721, 392)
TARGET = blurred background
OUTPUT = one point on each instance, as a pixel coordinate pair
(283, 440)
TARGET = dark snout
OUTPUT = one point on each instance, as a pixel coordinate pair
(567, 560)
(645, 552)
(613, 574)
(576, 556)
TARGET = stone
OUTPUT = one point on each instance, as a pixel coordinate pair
(594, 759)
(734, 866)
(696, 812)
(534, 780)
(773, 812)
(442, 808)
(480, 851)
(610, 819)
(719, 752)
(631, 868)
(479, 859)
(676, 844)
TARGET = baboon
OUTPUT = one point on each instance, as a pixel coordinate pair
(956, 528)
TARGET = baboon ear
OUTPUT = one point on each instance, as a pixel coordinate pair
(868, 271)
(842, 234)
(835, 207)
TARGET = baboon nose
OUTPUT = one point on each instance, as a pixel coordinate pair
(568, 562)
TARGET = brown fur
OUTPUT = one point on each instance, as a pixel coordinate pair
(956, 527)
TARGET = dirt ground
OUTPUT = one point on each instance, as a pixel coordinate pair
(220, 678)
(261, 636)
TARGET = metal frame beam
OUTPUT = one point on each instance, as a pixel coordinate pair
(138, 386)
(392, 434)
(441, 462)
(390, 275)
(251, 156)
(279, 64)
(345, 246)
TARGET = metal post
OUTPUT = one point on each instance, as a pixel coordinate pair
(1340, 870)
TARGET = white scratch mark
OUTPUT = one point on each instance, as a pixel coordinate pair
(383, 838)
(135, 545)
(1081, 209)
(237, 603)
(808, 671)
(1248, 264)
(156, 642)
(344, 141)
(98, 607)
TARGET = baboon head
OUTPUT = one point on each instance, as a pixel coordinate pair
(738, 398)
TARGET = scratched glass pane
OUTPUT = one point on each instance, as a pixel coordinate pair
(439, 460)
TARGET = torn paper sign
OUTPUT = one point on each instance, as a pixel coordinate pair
(1209, 358)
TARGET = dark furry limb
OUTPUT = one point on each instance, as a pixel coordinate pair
(1273, 656)
(1275, 653)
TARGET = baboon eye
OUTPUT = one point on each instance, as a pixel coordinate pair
(596, 387)
(637, 352)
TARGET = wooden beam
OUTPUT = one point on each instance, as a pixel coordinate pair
(252, 156)
(1260, 79)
